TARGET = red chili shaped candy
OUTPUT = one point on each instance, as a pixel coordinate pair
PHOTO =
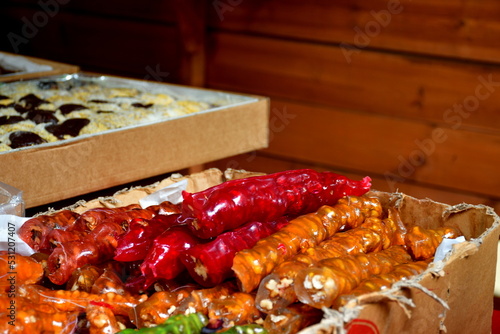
(163, 259)
(210, 263)
(96, 247)
(265, 198)
(134, 244)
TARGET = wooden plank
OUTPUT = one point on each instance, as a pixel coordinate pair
(462, 29)
(268, 163)
(451, 94)
(399, 151)
(190, 16)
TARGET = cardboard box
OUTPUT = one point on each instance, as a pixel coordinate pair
(52, 172)
(25, 67)
(452, 296)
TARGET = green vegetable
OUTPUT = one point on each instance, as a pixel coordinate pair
(246, 329)
(177, 324)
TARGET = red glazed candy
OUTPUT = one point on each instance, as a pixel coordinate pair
(96, 247)
(163, 259)
(295, 192)
(210, 263)
(134, 244)
(35, 230)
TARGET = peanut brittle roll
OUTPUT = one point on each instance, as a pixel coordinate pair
(159, 307)
(222, 304)
(101, 319)
(30, 319)
(69, 301)
(384, 281)
(319, 286)
(236, 309)
(200, 300)
(276, 290)
(251, 265)
(34, 231)
(18, 269)
(109, 281)
(422, 243)
(83, 278)
(292, 319)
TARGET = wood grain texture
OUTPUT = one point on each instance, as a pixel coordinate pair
(396, 149)
(432, 90)
(458, 29)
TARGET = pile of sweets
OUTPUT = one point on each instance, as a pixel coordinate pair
(43, 111)
(214, 264)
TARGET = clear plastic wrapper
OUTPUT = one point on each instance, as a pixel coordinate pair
(11, 200)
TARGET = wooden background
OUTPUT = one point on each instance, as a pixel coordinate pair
(406, 92)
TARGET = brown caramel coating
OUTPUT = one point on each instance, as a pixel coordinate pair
(422, 243)
(384, 281)
(277, 289)
(252, 265)
(319, 285)
(83, 278)
(237, 308)
(101, 319)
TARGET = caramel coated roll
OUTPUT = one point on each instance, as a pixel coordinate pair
(276, 290)
(384, 281)
(292, 319)
(101, 319)
(422, 243)
(31, 320)
(319, 286)
(69, 301)
(158, 307)
(252, 265)
(236, 309)
(18, 269)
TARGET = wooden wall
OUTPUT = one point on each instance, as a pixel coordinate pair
(406, 92)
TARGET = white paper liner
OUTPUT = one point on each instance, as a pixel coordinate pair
(9, 239)
(171, 193)
(445, 247)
